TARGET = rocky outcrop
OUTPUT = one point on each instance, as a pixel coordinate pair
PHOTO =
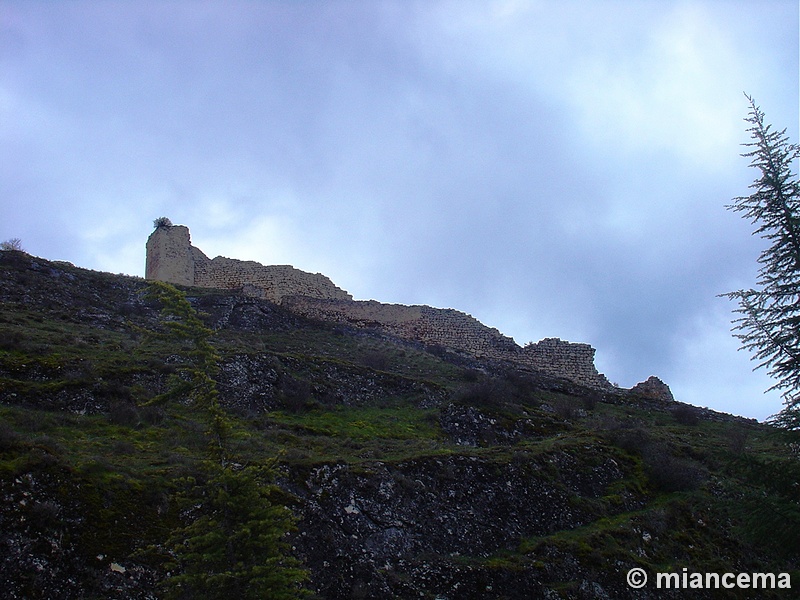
(653, 389)
(260, 383)
(397, 530)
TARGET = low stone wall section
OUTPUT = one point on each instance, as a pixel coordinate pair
(272, 282)
(459, 331)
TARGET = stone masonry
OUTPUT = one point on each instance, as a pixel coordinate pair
(437, 326)
(458, 331)
(558, 357)
(172, 258)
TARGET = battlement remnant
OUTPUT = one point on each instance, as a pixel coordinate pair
(556, 356)
(172, 258)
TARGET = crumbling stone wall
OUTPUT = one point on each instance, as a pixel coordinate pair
(172, 258)
(458, 331)
(273, 282)
(442, 327)
(556, 356)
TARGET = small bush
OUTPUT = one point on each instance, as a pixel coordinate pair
(11, 340)
(686, 415)
(436, 350)
(485, 393)
(33, 421)
(376, 359)
(590, 400)
(8, 437)
(12, 245)
(114, 390)
(295, 394)
(152, 415)
(123, 413)
(47, 443)
(123, 448)
(471, 375)
(737, 440)
(565, 408)
(46, 512)
(634, 441)
(668, 473)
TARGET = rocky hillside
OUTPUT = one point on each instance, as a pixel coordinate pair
(413, 471)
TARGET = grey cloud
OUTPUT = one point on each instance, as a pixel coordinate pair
(407, 137)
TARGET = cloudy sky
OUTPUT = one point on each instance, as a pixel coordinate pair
(555, 168)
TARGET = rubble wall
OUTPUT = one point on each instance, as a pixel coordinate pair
(458, 331)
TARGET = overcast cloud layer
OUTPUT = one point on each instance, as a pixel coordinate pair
(554, 168)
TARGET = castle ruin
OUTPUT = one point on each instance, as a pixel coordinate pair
(172, 258)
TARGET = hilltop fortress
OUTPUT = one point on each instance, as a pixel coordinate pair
(171, 258)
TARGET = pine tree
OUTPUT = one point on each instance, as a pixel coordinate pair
(233, 544)
(233, 541)
(194, 379)
(769, 325)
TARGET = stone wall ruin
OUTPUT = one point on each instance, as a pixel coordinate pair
(458, 331)
(171, 258)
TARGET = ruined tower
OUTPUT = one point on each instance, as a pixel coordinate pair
(169, 255)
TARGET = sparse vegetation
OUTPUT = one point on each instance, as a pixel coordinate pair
(162, 222)
(13, 245)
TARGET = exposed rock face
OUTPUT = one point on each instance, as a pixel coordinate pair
(654, 389)
(260, 383)
(457, 516)
(375, 530)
